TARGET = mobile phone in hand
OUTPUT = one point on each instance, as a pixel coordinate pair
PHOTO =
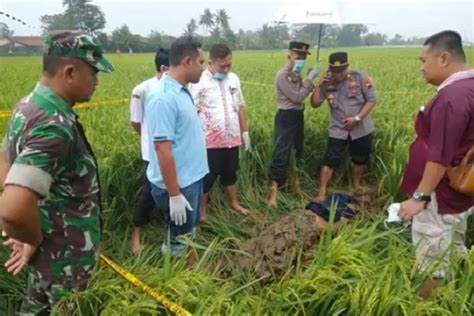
(327, 76)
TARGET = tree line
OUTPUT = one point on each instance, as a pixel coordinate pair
(212, 27)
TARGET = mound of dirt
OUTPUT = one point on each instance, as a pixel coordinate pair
(273, 250)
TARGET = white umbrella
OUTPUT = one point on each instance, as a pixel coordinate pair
(322, 12)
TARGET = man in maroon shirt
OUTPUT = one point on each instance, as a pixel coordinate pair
(444, 134)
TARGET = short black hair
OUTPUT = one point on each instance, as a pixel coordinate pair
(162, 58)
(449, 41)
(52, 63)
(182, 47)
(219, 51)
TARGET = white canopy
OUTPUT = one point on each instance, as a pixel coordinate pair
(322, 12)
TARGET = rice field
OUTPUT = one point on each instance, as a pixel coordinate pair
(363, 269)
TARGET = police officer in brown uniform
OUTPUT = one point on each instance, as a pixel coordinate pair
(291, 91)
(351, 97)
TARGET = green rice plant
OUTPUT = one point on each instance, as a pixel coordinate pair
(360, 270)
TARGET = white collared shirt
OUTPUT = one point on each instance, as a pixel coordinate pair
(137, 112)
(218, 103)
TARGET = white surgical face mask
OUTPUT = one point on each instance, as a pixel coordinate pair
(220, 76)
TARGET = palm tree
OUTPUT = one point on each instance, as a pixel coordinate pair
(191, 28)
(222, 19)
(206, 20)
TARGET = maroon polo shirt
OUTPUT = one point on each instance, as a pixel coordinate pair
(444, 134)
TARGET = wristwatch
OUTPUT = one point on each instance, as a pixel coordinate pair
(357, 118)
(421, 197)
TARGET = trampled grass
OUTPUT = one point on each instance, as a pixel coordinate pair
(361, 270)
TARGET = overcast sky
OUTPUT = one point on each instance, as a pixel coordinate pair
(406, 17)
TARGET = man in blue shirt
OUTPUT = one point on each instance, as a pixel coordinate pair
(178, 161)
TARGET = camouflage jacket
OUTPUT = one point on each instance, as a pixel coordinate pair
(49, 154)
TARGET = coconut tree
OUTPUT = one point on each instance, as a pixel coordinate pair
(206, 20)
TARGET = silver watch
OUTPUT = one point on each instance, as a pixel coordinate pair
(421, 197)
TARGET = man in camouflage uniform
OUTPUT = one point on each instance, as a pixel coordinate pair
(50, 208)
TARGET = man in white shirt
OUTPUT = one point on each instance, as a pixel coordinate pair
(221, 107)
(146, 204)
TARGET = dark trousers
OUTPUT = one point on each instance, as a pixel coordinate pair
(289, 132)
(223, 163)
(146, 204)
(360, 150)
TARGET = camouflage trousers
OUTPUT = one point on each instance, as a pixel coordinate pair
(43, 294)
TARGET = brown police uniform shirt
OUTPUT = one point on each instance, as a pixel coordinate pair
(346, 99)
(290, 89)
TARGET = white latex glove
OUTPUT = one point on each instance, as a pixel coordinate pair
(178, 207)
(246, 141)
(313, 73)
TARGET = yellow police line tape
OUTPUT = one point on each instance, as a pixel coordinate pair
(382, 91)
(95, 104)
(258, 84)
(175, 308)
(82, 106)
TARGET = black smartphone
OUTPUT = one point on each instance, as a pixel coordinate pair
(327, 76)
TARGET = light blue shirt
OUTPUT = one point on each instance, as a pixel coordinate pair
(171, 116)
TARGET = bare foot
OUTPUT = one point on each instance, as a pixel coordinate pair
(135, 245)
(362, 190)
(272, 198)
(190, 260)
(240, 209)
(428, 287)
(319, 199)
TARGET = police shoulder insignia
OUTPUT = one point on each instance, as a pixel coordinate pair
(367, 82)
